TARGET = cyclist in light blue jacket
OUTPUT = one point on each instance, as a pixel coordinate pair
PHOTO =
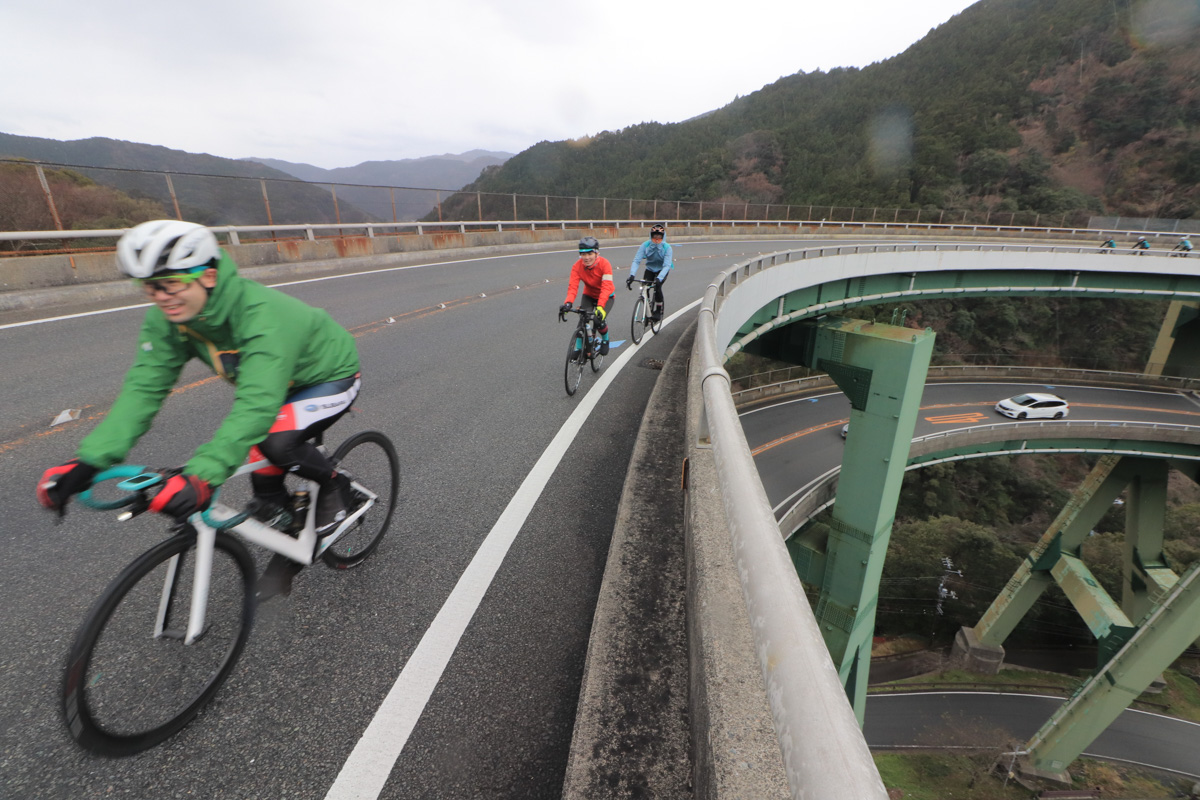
(659, 260)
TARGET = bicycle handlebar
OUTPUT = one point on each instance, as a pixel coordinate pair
(585, 313)
(126, 471)
(137, 480)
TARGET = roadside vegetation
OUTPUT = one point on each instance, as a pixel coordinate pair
(979, 776)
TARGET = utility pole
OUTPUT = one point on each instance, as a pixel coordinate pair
(943, 593)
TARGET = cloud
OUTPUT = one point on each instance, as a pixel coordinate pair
(375, 79)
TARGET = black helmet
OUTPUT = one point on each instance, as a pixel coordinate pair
(588, 244)
(658, 228)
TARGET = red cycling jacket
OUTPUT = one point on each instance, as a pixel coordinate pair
(597, 281)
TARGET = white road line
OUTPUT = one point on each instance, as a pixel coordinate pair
(370, 763)
(339, 276)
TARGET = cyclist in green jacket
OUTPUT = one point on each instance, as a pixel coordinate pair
(295, 370)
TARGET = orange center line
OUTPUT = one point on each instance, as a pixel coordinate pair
(357, 331)
(784, 439)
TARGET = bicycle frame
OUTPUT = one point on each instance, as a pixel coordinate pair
(303, 549)
(647, 296)
(585, 328)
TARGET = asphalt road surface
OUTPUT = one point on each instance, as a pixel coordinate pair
(463, 369)
(995, 721)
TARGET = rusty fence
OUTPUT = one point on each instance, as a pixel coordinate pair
(45, 196)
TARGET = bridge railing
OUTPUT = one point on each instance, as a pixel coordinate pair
(26, 243)
(1139, 439)
(814, 722)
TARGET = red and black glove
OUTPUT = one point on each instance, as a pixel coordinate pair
(182, 496)
(59, 483)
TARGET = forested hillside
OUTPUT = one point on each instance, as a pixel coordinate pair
(1042, 105)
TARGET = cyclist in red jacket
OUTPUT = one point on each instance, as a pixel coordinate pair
(596, 273)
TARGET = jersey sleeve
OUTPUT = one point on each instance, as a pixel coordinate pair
(573, 282)
(606, 282)
(160, 358)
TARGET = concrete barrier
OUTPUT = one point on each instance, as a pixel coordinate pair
(686, 717)
(49, 280)
(52, 280)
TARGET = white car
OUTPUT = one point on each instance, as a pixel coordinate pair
(1034, 405)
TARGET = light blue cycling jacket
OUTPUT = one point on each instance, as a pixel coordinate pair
(659, 259)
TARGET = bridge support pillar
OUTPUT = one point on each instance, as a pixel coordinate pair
(1158, 617)
(975, 656)
(1161, 637)
(882, 369)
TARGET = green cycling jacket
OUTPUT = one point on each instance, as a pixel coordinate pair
(261, 340)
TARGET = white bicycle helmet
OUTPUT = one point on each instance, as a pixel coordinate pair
(164, 246)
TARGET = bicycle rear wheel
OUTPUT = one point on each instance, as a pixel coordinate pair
(573, 372)
(369, 459)
(129, 685)
(637, 327)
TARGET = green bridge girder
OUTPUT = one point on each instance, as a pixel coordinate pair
(926, 285)
(882, 374)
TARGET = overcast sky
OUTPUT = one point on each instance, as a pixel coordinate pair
(336, 84)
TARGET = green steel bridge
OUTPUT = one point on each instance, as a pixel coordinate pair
(797, 306)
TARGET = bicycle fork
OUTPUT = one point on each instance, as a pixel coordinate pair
(202, 574)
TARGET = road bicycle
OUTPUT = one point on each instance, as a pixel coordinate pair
(584, 348)
(166, 633)
(643, 312)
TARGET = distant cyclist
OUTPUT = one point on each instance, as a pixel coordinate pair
(1185, 244)
(1141, 244)
(596, 273)
(1109, 244)
(295, 370)
(659, 260)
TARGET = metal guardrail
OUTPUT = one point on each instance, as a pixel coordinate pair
(824, 752)
(314, 231)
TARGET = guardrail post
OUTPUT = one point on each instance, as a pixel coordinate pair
(49, 196)
(175, 201)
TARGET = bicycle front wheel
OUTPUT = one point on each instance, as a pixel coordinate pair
(573, 372)
(637, 327)
(131, 682)
(597, 360)
(369, 459)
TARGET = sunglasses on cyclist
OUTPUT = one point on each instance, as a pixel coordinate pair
(168, 286)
